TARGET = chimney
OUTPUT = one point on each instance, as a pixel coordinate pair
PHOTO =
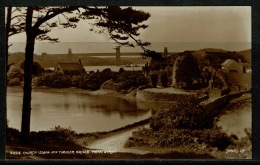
(165, 52)
(239, 61)
(80, 61)
(118, 56)
(69, 52)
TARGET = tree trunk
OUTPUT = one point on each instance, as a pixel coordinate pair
(7, 29)
(29, 50)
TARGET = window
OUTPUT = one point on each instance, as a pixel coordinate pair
(232, 71)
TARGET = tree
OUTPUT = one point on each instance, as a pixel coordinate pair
(7, 30)
(15, 23)
(187, 71)
(120, 24)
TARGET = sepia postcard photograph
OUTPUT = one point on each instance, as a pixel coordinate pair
(128, 82)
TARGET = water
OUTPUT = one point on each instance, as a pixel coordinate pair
(80, 112)
(112, 67)
(235, 121)
(132, 56)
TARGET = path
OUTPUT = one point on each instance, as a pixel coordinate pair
(115, 143)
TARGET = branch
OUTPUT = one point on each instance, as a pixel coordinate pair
(52, 15)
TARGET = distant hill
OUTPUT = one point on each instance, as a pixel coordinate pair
(247, 55)
(206, 56)
(89, 59)
(214, 57)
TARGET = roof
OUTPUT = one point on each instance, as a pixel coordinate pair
(227, 62)
(71, 66)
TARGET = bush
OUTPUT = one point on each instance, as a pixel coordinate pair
(14, 76)
(131, 79)
(94, 80)
(109, 84)
(37, 69)
(121, 70)
(75, 80)
(57, 135)
(154, 79)
(164, 79)
(12, 135)
(181, 138)
(185, 115)
(54, 80)
(14, 82)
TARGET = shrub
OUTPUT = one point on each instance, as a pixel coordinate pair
(121, 70)
(109, 84)
(131, 79)
(164, 79)
(155, 65)
(75, 80)
(12, 135)
(55, 80)
(14, 82)
(94, 80)
(57, 135)
(185, 115)
(181, 138)
(154, 79)
(14, 76)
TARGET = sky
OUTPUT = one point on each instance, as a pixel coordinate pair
(177, 28)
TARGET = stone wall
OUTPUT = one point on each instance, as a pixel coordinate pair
(218, 103)
(154, 105)
(163, 100)
(143, 95)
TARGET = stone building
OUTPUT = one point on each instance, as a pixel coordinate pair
(239, 74)
(72, 68)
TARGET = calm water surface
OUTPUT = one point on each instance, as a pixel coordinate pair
(80, 112)
(234, 122)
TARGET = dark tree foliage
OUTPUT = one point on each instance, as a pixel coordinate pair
(164, 79)
(187, 71)
(93, 81)
(216, 58)
(187, 114)
(153, 55)
(180, 124)
(37, 69)
(131, 79)
(121, 24)
(154, 80)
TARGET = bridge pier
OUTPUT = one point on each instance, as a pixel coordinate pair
(118, 62)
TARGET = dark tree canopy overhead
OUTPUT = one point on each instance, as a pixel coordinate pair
(121, 24)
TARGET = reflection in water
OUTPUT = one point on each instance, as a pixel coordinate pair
(83, 113)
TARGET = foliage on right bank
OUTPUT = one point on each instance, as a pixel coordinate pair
(187, 125)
